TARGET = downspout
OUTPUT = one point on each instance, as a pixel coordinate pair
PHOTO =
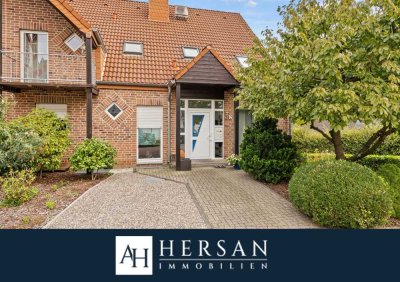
(170, 85)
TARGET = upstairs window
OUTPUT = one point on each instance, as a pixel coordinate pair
(34, 56)
(190, 52)
(133, 48)
(242, 61)
(74, 42)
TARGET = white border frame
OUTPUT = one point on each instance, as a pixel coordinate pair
(117, 116)
(212, 111)
(22, 53)
(151, 161)
(133, 53)
(190, 58)
(70, 37)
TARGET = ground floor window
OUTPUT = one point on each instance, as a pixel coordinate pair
(149, 131)
(59, 109)
(149, 143)
(245, 120)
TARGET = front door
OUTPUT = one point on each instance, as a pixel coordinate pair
(200, 135)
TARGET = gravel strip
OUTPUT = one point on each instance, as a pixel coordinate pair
(129, 201)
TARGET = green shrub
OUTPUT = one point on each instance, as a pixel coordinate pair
(391, 173)
(54, 133)
(309, 141)
(93, 155)
(268, 154)
(17, 187)
(3, 109)
(19, 148)
(341, 194)
(371, 161)
(50, 205)
(375, 161)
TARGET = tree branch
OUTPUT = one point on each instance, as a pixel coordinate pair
(373, 143)
(313, 127)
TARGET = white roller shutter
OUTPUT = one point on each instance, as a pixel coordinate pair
(59, 109)
(149, 117)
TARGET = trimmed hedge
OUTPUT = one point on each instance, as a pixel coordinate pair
(341, 194)
(267, 153)
(391, 173)
(372, 161)
(309, 141)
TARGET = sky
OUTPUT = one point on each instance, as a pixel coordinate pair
(259, 14)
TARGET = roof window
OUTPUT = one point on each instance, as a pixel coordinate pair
(133, 48)
(242, 61)
(190, 52)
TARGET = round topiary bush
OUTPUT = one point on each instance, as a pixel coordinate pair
(391, 174)
(341, 194)
(267, 153)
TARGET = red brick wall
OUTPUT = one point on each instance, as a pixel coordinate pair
(229, 128)
(21, 104)
(284, 125)
(40, 15)
(122, 132)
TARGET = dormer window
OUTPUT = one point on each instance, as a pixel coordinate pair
(133, 48)
(190, 52)
(242, 61)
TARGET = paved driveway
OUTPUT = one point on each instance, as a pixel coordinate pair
(164, 198)
(232, 199)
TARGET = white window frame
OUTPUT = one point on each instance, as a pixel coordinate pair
(161, 128)
(191, 48)
(71, 37)
(242, 64)
(141, 53)
(50, 107)
(22, 50)
(117, 116)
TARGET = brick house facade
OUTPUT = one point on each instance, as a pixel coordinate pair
(100, 80)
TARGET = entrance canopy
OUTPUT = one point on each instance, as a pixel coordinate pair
(207, 77)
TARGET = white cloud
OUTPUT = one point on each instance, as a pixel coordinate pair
(249, 3)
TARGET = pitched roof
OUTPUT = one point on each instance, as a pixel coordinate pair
(127, 20)
(65, 9)
(208, 67)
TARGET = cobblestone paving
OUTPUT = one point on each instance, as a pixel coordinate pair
(231, 199)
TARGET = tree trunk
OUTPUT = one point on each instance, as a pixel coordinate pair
(338, 144)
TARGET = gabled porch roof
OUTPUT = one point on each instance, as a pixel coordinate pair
(207, 68)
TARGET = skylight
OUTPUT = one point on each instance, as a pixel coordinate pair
(243, 61)
(190, 52)
(133, 48)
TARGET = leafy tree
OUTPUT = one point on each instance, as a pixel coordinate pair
(335, 61)
(54, 133)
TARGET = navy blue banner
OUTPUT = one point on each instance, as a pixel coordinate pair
(199, 255)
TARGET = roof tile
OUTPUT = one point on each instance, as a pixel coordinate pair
(126, 20)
